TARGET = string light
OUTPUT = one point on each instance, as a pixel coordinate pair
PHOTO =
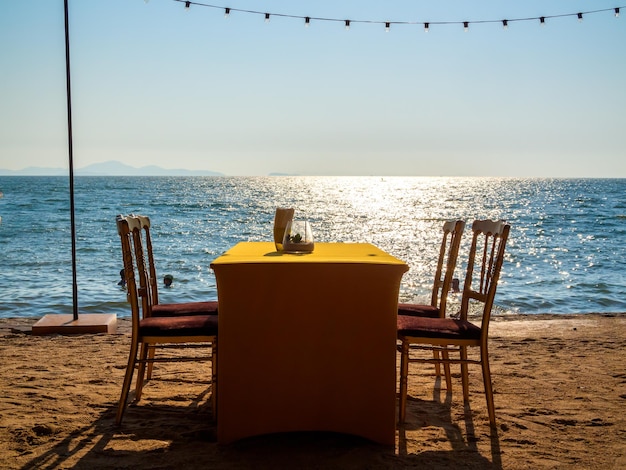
(387, 24)
(580, 17)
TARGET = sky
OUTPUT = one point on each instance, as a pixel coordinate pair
(155, 83)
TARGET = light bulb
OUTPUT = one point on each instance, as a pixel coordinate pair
(580, 17)
(617, 13)
(187, 5)
(542, 21)
(387, 26)
(307, 22)
(267, 17)
(226, 12)
(426, 26)
(347, 25)
(505, 24)
(465, 26)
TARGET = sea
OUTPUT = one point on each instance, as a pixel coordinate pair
(566, 253)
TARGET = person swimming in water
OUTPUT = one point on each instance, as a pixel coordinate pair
(167, 280)
(122, 282)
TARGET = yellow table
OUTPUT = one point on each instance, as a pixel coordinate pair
(307, 342)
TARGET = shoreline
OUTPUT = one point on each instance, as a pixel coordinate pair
(495, 316)
(559, 390)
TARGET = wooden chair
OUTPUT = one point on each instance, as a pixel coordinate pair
(454, 336)
(448, 254)
(150, 305)
(179, 331)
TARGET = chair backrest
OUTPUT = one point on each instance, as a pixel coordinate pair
(129, 230)
(483, 267)
(151, 277)
(143, 265)
(448, 254)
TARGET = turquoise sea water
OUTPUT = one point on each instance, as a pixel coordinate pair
(566, 254)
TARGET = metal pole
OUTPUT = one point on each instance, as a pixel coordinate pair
(71, 158)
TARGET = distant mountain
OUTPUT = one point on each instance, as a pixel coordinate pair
(110, 168)
(34, 171)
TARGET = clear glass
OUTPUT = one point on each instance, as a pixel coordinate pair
(298, 237)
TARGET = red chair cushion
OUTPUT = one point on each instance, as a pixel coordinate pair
(448, 328)
(189, 325)
(184, 308)
(418, 310)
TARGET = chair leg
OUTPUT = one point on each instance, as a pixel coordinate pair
(151, 352)
(128, 378)
(446, 370)
(141, 370)
(404, 375)
(488, 386)
(437, 363)
(464, 374)
(214, 378)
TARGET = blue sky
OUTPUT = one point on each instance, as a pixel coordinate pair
(153, 83)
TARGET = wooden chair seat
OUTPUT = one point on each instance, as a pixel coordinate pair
(184, 308)
(188, 325)
(443, 328)
(419, 310)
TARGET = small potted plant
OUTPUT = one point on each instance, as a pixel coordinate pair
(298, 237)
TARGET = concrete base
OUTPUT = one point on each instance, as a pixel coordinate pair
(66, 325)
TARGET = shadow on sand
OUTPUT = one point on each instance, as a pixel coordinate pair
(431, 422)
(162, 435)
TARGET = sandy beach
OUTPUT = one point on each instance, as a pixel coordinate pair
(560, 397)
